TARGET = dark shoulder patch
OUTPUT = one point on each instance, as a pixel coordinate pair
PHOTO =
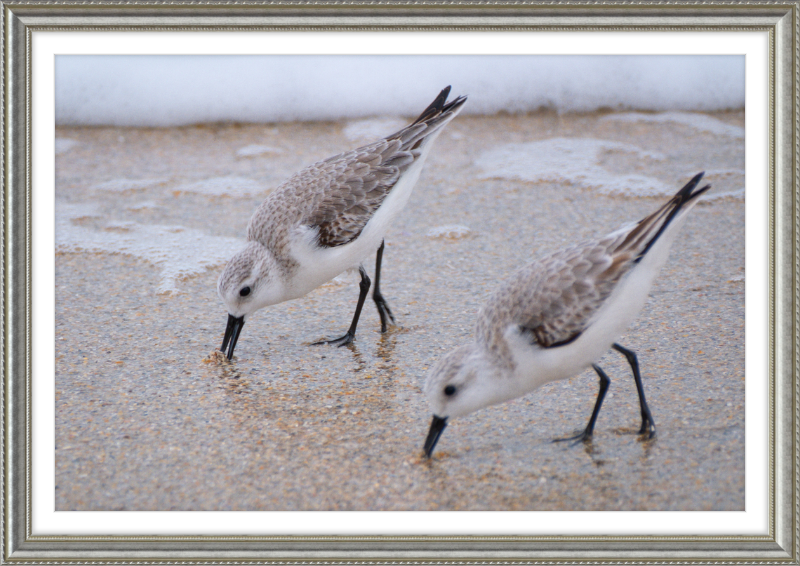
(547, 339)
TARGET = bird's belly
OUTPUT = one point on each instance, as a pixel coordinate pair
(316, 265)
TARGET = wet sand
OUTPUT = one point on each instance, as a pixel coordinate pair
(147, 420)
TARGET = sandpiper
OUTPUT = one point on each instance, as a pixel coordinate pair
(558, 316)
(327, 219)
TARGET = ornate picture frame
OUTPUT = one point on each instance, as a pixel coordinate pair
(779, 20)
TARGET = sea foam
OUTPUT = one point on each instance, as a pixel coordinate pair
(178, 252)
(568, 160)
(123, 185)
(695, 121)
(232, 186)
(174, 90)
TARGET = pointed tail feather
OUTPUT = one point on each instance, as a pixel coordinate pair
(438, 106)
(661, 219)
(432, 119)
(434, 107)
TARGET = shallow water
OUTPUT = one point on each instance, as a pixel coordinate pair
(146, 419)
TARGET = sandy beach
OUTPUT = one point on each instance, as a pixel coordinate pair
(148, 419)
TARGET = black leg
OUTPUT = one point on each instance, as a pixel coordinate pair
(383, 309)
(587, 433)
(351, 334)
(648, 424)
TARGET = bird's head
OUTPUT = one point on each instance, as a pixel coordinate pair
(460, 383)
(247, 283)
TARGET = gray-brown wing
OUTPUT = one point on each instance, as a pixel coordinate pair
(360, 180)
(337, 196)
(575, 287)
(555, 298)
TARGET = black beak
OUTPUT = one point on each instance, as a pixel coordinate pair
(232, 332)
(438, 425)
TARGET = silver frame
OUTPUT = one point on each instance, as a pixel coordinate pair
(781, 19)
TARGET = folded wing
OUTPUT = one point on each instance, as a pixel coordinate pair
(555, 298)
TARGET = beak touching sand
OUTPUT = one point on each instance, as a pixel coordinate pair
(438, 425)
(232, 332)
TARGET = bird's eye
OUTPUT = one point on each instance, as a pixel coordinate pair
(450, 390)
(244, 292)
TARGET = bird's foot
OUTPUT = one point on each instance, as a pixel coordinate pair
(341, 341)
(648, 430)
(384, 311)
(584, 436)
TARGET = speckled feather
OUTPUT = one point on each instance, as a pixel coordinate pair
(555, 298)
(339, 195)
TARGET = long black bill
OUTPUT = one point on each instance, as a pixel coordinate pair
(232, 332)
(438, 425)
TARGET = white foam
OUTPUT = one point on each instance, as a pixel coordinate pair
(122, 184)
(365, 131)
(231, 186)
(63, 145)
(76, 211)
(159, 90)
(177, 251)
(256, 150)
(449, 231)
(570, 160)
(698, 122)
